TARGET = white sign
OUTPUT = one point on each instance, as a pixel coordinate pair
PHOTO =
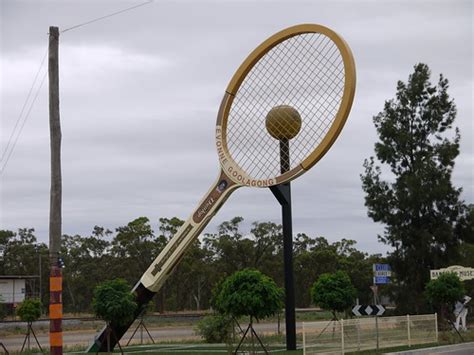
(383, 273)
(464, 273)
(12, 290)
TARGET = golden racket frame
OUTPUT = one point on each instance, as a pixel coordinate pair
(232, 176)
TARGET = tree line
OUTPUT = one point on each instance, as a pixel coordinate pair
(129, 250)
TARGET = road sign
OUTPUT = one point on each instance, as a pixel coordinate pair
(464, 273)
(381, 267)
(383, 273)
(370, 310)
(381, 280)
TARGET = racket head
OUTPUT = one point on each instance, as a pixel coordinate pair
(308, 67)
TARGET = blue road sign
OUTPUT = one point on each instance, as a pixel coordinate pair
(381, 280)
(382, 267)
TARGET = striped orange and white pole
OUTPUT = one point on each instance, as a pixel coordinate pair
(55, 311)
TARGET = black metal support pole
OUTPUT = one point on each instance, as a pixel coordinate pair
(290, 318)
(283, 195)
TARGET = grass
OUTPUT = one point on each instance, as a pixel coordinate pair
(35, 350)
(195, 349)
(393, 349)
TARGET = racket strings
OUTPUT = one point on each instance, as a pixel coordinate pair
(305, 72)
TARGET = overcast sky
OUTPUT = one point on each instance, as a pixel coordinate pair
(140, 93)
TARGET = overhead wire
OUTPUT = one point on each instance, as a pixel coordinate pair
(105, 16)
(8, 151)
(23, 123)
(23, 107)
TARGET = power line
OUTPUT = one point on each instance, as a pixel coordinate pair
(23, 124)
(23, 108)
(106, 16)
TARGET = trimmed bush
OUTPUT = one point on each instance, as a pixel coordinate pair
(215, 328)
(29, 310)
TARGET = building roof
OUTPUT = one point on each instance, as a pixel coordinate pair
(18, 277)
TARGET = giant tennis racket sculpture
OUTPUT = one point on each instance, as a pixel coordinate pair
(295, 91)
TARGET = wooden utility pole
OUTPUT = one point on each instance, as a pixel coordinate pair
(55, 281)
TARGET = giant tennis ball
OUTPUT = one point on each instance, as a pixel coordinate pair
(283, 122)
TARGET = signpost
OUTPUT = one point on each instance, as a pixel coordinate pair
(370, 310)
(382, 275)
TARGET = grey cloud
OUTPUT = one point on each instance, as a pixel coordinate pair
(138, 116)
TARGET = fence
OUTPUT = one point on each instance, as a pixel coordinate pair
(340, 336)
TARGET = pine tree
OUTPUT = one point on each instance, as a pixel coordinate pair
(408, 185)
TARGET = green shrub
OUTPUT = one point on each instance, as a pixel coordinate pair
(333, 292)
(113, 302)
(443, 293)
(446, 289)
(215, 328)
(29, 310)
(248, 293)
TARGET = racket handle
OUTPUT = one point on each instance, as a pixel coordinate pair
(164, 264)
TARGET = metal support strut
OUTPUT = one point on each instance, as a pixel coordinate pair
(282, 193)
